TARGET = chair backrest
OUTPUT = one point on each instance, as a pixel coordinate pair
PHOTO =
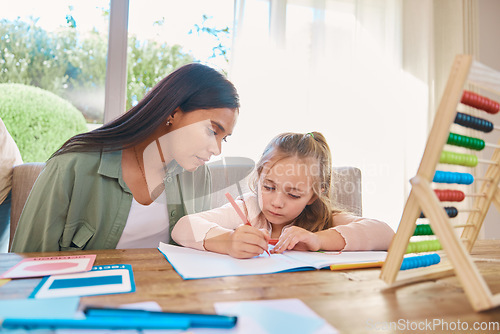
(346, 190)
(234, 177)
(231, 176)
(23, 178)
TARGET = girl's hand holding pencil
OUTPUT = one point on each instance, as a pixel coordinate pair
(246, 241)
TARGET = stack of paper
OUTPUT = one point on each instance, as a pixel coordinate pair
(55, 265)
(65, 276)
(101, 280)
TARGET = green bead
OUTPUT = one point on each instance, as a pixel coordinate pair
(423, 229)
(458, 159)
(464, 141)
(423, 246)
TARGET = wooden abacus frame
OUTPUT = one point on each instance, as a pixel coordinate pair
(423, 198)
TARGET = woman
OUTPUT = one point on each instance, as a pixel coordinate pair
(127, 183)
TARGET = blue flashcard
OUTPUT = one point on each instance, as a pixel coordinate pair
(109, 279)
(65, 308)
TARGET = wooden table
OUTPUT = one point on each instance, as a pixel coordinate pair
(353, 301)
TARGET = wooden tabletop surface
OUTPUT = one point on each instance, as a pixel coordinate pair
(353, 301)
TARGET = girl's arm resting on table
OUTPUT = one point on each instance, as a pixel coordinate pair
(191, 231)
(220, 230)
(243, 242)
(362, 234)
(350, 233)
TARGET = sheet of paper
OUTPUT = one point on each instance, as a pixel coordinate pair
(55, 265)
(193, 264)
(110, 279)
(274, 316)
(65, 308)
(145, 306)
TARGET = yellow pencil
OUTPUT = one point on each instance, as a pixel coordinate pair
(356, 265)
(4, 281)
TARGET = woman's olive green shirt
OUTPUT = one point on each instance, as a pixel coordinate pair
(80, 201)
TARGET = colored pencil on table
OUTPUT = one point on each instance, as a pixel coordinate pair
(194, 319)
(98, 323)
(360, 265)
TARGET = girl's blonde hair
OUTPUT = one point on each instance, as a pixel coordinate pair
(313, 147)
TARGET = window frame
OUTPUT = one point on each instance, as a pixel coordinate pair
(116, 67)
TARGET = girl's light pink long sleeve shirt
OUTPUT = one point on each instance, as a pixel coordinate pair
(360, 234)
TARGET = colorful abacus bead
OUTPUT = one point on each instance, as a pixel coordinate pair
(448, 195)
(480, 102)
(461, 159)
(452, 177)
(423, 246)
(451, 211)
(412, 262)
(464, 141)
(472, 122)
(423, 229)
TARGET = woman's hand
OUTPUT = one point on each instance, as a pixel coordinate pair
(297, 238)
(246, 242)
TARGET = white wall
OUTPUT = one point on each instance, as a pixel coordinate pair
(489, 55)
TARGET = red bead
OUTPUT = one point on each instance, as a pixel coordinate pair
(479, 102)
(448, 195)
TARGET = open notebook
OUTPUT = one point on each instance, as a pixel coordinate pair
(192, 263)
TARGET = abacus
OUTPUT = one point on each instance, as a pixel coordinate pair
(440, 233)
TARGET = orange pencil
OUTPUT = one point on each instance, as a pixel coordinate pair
(240, 213)
(347, 266)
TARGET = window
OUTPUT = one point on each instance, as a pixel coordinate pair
(59, 46)
(164, 35)
(66, 45)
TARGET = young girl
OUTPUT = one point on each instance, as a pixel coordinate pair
(290, 201)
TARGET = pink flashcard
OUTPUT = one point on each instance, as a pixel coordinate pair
(54, 265)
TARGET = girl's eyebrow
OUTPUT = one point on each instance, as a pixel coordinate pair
(295, 189)
(288, 188)
(269, 180)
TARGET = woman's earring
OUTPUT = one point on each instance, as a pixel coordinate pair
(169, 123)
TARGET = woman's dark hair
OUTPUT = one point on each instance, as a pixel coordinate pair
(190, 87)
